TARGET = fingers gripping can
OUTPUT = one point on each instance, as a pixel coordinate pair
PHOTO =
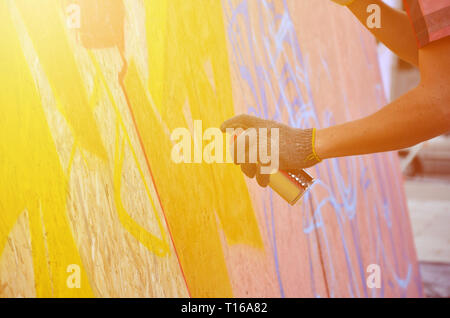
(291, 187)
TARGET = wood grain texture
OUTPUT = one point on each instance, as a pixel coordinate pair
(86, 176)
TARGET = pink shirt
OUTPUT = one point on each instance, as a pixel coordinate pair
(430, 19)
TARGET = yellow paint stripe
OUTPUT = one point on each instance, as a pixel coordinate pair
(31, 175)
(159, 246)
(47, 32)
(156, 31)
(193, 196)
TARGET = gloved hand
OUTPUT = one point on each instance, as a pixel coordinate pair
(296, 146)
(343, 2)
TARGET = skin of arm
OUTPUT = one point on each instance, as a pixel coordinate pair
(396, 31)
(419, 115)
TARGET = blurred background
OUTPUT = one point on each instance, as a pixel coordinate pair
(426, 171)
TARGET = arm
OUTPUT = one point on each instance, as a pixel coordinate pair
(421, 114)
(396, 31)
(415, 117)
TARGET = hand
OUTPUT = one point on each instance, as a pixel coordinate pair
(295, 146)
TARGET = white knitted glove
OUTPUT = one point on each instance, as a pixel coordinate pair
(296, 146)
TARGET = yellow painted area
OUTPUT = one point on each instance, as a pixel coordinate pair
(159, 246)
(31, 176)
(189, 79)
(46, 29)
(60, 68)
(156, 24)
(198, 199)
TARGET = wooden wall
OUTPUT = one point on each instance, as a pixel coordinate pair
(89, 193)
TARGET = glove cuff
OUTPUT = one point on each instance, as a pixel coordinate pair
(304, 143)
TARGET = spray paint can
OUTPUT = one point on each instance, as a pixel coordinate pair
(291, 187)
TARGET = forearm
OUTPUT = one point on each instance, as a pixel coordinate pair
(396, 31)
(417, 116)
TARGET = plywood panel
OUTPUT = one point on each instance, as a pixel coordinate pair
(86, 175)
